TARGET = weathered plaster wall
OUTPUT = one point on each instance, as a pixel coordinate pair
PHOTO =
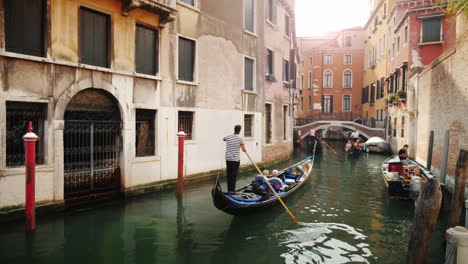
(442, 104)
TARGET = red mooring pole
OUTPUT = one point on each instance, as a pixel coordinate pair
(180, 168)
(30, 160)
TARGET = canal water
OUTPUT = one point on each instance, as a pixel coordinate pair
(344, 212)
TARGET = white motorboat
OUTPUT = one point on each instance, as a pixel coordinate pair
(376, 144)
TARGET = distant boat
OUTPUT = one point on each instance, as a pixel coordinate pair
(404, 178)
(245, 201)
(376, 144)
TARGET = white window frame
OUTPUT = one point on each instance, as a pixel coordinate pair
(195, 5)
(310, 80)
(325, 60)
(254, 19)
(343, 103)
(310, 60)
(272, 61)
(351, 59)
(287, 34)
(254, 73)
(344, 79)
(441, 33)
(405, 33)
(268, 12)
(286, 79)
(195, 66)
(324, 79)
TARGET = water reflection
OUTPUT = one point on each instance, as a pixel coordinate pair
(325, 243)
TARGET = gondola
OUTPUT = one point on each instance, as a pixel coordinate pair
(354, 151)
(403, 179)
(245, 201)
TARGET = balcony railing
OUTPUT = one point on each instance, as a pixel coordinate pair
(342, 116)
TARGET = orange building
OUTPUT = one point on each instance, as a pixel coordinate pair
(330, 75)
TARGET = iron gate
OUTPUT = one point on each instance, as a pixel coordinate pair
(91, 157)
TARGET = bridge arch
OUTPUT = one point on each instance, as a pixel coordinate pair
(364, 131)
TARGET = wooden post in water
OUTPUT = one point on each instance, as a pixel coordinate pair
(425, 218)
(461, 172)
(443, 170)
(429, 151)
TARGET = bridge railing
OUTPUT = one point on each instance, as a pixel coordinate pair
(343, 116)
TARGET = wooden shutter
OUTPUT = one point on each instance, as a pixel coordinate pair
(431, 30)
(24, 26)
(146, 50)
(249, 15)
(248, 74)
(94, 38)
(186, 59)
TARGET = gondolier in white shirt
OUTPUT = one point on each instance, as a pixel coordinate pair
(355, 135)
(234, 142)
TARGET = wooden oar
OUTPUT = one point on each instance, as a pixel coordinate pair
(326, 145)
(271, 188)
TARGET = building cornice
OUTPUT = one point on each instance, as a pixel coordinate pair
(166, 13)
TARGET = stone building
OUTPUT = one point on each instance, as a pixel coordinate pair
(375, 64)
(420, 31)
(330, 75)
(108, 84)
(437, 101)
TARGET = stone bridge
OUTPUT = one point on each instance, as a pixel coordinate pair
(364, 131)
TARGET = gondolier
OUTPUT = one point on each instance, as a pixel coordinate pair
(234, 142)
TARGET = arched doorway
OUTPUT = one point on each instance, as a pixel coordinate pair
(92, 144)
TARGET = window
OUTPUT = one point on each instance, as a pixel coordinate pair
(270, 61)
(403, 77)
(186, 120)
(286, 25)
(348, 41)
(372, 93)
(378, 89)
(189, 2)
(18, 115)
(24, 26)
(146, 50)
(302, 81)
(328, 59)
(365, 94)
(302, 103)
(249, 15)
(406, 34)
(186, 59)
(393, 49)
(268, 129)
(248, 74)
(327, 103)
(346, 102)
(402, 126)
(394, 126)
(271, 13)
(94, 38)
(286, 70)
(347, 59)
(431, 30)
(310, 61)
(310, 103)
(144, 132)
(248, 125)
(285, 122)
(310, 80)
(347, 79)
(328, 79)
(398, 44)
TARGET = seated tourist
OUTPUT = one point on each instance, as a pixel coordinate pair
(274, 173)
(358, 144)
(348, 145)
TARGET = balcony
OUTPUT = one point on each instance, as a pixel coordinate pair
(166, 9)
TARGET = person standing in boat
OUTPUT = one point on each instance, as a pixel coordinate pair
(234, 142)
(355, 135)
(403, 155)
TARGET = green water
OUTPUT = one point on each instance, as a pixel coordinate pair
(345, 215)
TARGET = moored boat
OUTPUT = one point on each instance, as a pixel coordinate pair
(403, 178)
(246, 200)
(376, 144)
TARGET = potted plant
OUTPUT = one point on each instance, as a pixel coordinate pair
(392, 99)
(401, 94)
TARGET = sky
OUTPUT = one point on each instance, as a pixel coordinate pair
(316, 17)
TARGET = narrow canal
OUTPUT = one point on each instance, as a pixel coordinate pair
(344, 211)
